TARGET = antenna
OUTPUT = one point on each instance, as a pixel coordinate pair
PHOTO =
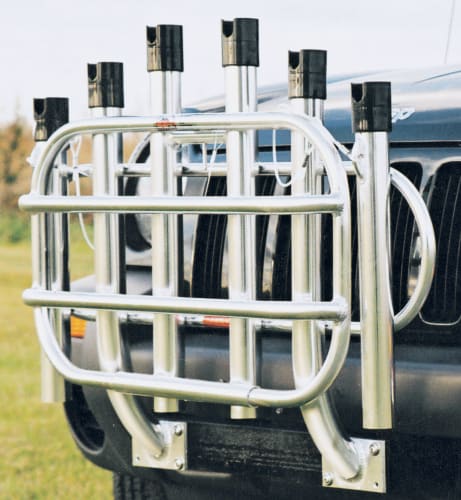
(450, 30)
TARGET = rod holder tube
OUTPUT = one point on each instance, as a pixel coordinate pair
(240, 58)
(165, 64)
(105, 87)
(307, 71)
(50, 114)
(307, 91)
(371, 107)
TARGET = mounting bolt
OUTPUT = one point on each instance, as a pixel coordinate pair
(178, 429)
(328, 479)
(179, 464)
(374, 449)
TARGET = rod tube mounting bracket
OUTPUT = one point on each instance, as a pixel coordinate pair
(372, 475)
(174, 455)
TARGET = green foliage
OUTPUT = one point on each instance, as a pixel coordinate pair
(39, 459)
(14, 227)
(16, 144)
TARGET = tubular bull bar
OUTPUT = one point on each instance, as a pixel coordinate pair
(347, 462)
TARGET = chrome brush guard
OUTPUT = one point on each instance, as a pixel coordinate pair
(347, 462)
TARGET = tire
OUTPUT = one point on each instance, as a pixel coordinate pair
(135, 488)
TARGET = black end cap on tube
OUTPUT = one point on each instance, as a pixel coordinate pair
(165, 48)
(105, 85)
(371, 107)
(50, 114)
(240, 42)
(307, 74)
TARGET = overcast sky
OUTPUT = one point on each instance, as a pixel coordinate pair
(46, 44)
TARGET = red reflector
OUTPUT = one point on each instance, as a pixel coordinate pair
(216, 321)
(165, 124)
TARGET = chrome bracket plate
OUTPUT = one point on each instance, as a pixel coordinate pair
(174, 456)
(372, 475)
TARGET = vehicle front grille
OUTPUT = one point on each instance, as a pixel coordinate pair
(402, 233)
(443, 305)
(444, 302)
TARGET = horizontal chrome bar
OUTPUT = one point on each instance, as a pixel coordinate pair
(335, 310)
(220, 169)
(185, 204)
(84, 170)
(192, 169)
(184, 170)
(196, 320)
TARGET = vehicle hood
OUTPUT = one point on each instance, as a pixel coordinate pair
(426, 103)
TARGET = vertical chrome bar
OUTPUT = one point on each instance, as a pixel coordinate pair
(106, 99)
(58, 245)
(165, 64)
(106, 249)
(240, 38)
(307, 91)
(371, 104)
(50, 241)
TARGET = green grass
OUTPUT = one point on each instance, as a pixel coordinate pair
(38, 458)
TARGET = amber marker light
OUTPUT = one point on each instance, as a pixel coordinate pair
(77, 327)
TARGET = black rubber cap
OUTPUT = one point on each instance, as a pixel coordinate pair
(50, 114)
(240, 42)
(164, 48)
(105, 85)
(371, 107)
(307, 74)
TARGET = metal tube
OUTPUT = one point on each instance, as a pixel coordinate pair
(165, 98)
(53, 389)
(188, 320)
(107, 152)
(307, 335)
(375, 295)
(335, 310)
(107, 274)
(371, 120)
(106, 251)
(428, 249)
(185, 204)
(50, 241)
(241, 97)
(240, 58)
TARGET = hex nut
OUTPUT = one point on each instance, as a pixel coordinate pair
(328, 479)
(374, 449)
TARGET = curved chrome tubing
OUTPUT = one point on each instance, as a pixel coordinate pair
(313, 377)
(428, 253)
(314, 132)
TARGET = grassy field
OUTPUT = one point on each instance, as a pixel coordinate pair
(38, 457)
